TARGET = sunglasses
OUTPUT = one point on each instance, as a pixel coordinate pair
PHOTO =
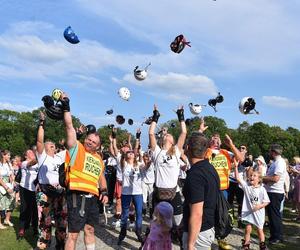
(243, 148)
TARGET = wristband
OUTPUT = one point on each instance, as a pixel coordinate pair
(42, 123)
(78, 135)
(65, 104)
(138, 135)
(155, 116)
(180, 115)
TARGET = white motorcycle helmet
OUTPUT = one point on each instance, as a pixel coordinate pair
(196, 108)
(124, 93)
(246, 105)
(139, 74)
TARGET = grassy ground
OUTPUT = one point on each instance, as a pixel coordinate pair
(8, 237)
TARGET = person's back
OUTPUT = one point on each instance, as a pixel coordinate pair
(202, 176)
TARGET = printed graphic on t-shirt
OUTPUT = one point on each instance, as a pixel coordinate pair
(253, 197)
(92, 165)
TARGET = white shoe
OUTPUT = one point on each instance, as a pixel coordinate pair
(8, 223)
(131, 226)
(116, 223)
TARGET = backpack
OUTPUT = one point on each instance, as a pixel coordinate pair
(223, 218)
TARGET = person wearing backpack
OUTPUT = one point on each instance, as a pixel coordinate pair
(200, 192)
(222, 160)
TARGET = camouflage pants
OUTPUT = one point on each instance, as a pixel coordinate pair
(51, 212)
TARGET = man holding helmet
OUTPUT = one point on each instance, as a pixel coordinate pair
(84, 174)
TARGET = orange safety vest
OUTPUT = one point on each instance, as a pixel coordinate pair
(85, 172)
(222, 164)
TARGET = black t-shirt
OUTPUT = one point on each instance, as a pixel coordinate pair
(202, 184)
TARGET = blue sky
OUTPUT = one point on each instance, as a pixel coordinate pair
(239, 48)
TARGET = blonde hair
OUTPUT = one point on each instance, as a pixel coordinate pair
(296, 160)
(260, 177)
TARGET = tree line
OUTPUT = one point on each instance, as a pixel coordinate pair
(18, 133)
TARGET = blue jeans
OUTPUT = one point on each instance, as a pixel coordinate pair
(138, 204)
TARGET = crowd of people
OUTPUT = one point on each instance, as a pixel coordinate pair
(175, 183)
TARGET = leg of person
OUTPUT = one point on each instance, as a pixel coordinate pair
(75, 221)
(261, 237)
(205, 239)
(125, 200)
(92, 221)
(145, 196)
(60, 217)
(246, 241)
(44, 206)
(223, 243)
(34, 213)
(150, 197)
(275, 218)
(24, 212)
(176, 203)
(231, 194)
(239, 199)
(138, 203)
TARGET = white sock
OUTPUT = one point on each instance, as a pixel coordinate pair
(90, 247)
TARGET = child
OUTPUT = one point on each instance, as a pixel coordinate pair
(253, 210)
(159, 237)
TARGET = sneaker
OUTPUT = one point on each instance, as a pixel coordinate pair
(131, 225)
(224, 245)
(2, 226)
(294, 211)
(116, 223)
(8, 223)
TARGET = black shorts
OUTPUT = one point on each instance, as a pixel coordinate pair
(75, 222)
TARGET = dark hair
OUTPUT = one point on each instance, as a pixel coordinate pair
(197, 145)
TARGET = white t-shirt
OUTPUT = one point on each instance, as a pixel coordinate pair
(148, 173)
(5, 170)
(112, 161)
(119, 170)
(48, 173)
(182, 173)
(254, 196)
(29, 175)
(166, 167)
(131, 180)
(278, 167)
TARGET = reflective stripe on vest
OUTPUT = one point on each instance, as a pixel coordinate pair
(86, 171)
(222, 164)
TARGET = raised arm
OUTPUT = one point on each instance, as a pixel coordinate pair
(137, 141)
(152, 139)
(114, 144)
(70, 130)
(239, 156)
(182, 136)
(40, 134)
(236, 172)
(202, 126)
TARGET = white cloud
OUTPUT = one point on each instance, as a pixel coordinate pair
(176, 86)
(16, 107)
(280, 102)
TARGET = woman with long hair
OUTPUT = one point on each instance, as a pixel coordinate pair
(7, 199)
(131, 192)
(167, 166)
